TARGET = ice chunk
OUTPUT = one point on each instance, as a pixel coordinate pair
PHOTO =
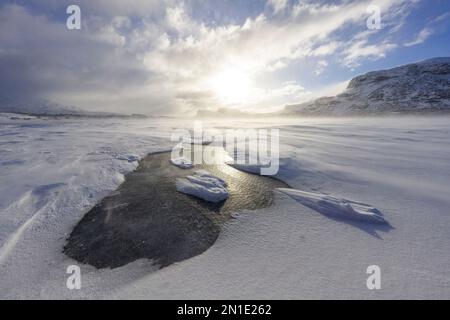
(182, 163)
(336, 207)
(203, 185)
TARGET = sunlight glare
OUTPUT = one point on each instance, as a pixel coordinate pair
(232, 86)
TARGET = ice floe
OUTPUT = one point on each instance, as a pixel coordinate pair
(203, 185)
(336, 207)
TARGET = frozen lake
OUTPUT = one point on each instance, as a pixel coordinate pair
(146, 217)
(54, 171)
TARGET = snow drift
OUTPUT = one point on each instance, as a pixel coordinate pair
(332, 206)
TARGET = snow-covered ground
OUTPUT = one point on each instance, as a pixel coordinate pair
(54, 171)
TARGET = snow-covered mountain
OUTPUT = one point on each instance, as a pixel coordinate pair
(413, 88)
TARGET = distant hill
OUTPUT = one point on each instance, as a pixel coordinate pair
(225, 112)
(48, 108)
(414, 88)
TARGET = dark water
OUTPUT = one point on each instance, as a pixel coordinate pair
(146, 217)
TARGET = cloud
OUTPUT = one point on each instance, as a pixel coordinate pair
(159, 57)
(331, 89)
(325, 49)
(277, 5)
(435, 26)
(260, 43)
(91, 67)
(362, 49)
(277, 66)
(321, 66)
(442, 17)
(421, 37)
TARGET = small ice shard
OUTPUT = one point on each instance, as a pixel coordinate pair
(203, 185)
(204, 141)
(336, 207)
(182, 163)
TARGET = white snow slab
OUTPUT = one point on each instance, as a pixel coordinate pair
(182, 163)
(336, 207)
(203, 185)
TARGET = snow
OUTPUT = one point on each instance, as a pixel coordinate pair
(53, 171)
(182, 163)
(203, 185)
(336, 207)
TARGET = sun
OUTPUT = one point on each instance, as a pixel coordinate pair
(232, 86)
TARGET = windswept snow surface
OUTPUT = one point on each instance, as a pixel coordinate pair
(53, 171)
(203, 185)
(332, 206)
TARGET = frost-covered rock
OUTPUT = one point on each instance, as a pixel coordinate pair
(203, 185)
(182, 163)
(336, 207)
